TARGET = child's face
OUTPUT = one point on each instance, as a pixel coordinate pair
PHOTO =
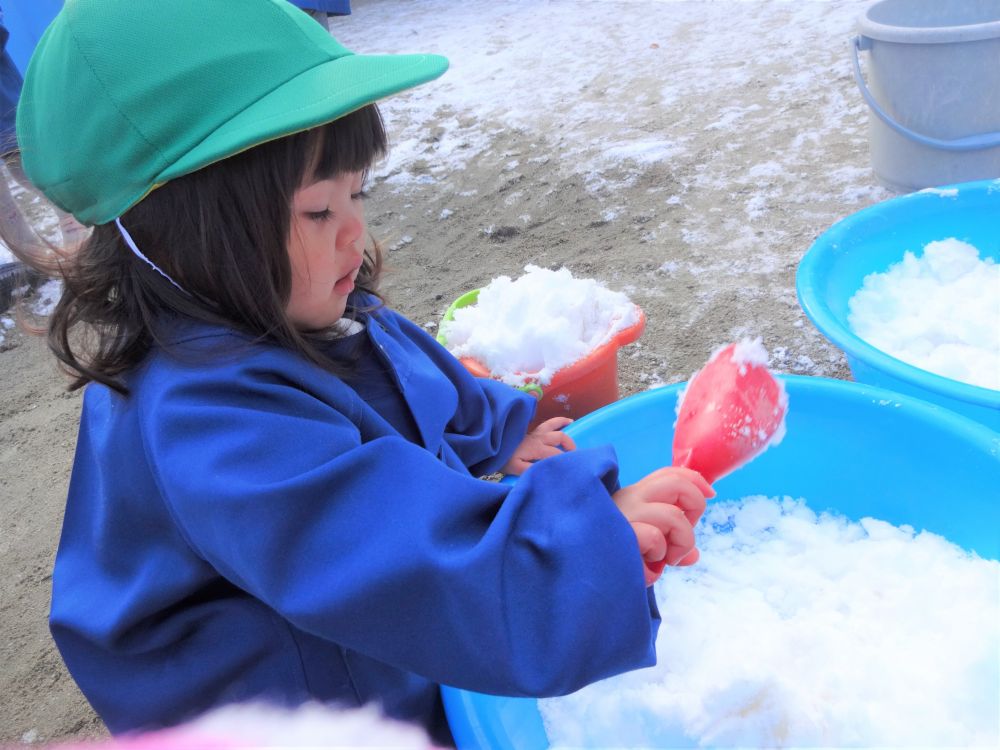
(325, 247)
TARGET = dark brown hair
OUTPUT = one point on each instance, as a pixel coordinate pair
(222, 234)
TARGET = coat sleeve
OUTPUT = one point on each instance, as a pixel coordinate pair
(490, 418)
(530, 590)
(489, 423)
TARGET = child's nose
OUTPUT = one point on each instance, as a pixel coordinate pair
(352, 228)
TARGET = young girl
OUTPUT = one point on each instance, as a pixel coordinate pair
(276, 489)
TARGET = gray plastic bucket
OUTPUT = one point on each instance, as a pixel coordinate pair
(934, 90)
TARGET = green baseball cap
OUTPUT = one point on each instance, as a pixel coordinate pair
(123, 95)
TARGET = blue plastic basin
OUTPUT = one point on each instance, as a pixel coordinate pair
(853, 448)
(872, 240)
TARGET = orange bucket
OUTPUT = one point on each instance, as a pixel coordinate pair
(574, 390)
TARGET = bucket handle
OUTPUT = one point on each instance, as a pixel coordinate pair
(533, 389)
(968, 143)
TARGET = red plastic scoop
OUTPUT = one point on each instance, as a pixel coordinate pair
(731, 410)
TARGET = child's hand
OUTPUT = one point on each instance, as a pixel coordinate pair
(543, 441)
(663, 508)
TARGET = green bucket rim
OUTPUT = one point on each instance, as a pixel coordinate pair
(469, 298)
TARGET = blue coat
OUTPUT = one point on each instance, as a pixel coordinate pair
(10, 92)
(246, 525)
(336, 7)
(26, 20)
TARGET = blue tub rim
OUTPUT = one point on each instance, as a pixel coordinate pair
(950, 420)
(808, 285)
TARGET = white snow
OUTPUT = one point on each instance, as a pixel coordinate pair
(6, 324)
(798, 629)
(522, 63)
(943, 192)
(48, 295)
(939, 312)
(527, 329)
(740, 117)
(6, 256)
(750, 352)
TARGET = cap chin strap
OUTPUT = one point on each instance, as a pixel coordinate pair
(132, 246)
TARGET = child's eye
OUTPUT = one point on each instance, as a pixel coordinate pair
(323, 215)
(360, 195)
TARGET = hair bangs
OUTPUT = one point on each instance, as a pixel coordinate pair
(352, 143)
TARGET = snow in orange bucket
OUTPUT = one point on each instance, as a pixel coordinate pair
(547, 333)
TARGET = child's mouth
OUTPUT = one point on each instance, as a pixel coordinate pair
(345, 285)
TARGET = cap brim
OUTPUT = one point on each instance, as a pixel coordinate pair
(319, 95)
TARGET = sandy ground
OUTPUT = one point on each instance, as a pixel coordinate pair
(693, 178)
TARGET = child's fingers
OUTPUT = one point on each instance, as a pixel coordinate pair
(652, 542)
(677, 490)
(690, 558)
(553, 423)
(567, 442)
(538, 450)
(560, 439)
(691, 475)
(672, 524)
(516, 466)
(652, 547)
(680, 543)
(661, 515)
